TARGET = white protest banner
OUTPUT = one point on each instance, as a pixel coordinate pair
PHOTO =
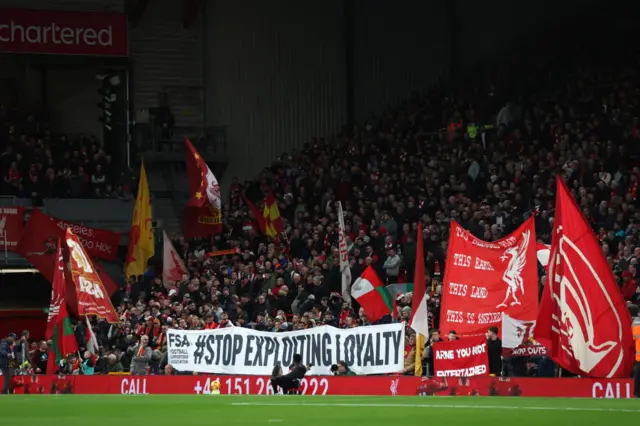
(366, 350)
(465, 357)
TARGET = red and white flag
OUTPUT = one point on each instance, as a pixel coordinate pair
(345, 269)
(517, 338)
(91, 296)
(583, 319)
(90, 337)
(58, 292)
(371, 295)
(203, 213)
(543, 251)
(484, 279)
(172, 265)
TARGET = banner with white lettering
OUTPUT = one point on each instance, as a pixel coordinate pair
(484, 279)
(517, 338)
(465, 357)
(375, 349)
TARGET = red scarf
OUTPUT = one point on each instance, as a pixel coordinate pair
(162, 338)
(141, 350)
(156, 332)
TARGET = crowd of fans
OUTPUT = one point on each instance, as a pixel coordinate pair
(36, 164)
(484, 153)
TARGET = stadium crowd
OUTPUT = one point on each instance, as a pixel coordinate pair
(37, 164)
(483, 153)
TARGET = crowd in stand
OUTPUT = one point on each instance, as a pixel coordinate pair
(36, 164)
(483, 153)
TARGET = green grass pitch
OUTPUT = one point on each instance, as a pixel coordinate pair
(211, 410)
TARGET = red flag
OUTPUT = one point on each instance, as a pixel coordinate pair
(484, 279)
(58, 291)
(40, 236)
(420, 319)
(273, 224)
(372, 295)
(172, 265)
(583, 319)
(420, 315)
(203, 214)
(255, 212)
(90, 292)
(59, 330)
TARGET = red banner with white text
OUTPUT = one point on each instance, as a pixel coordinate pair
(63, 32)
(464, 357)
(11, 226)
(517, 338)
(91, 296)
(41, 234)
(484, 279)
(328, 385)
(42, 229)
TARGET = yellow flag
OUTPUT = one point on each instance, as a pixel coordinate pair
(420, 342)
(141, 243)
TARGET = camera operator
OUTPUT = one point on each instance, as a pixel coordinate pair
(7, 361)
(341, 369)
(291, 380)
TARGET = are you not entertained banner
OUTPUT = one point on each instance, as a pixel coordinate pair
(366, 350)
(461, 358)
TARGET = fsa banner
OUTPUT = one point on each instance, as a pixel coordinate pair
(465, 357)
(366, 350)
(482, 280)
(11, 226)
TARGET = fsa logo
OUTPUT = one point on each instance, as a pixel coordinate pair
(91, 288)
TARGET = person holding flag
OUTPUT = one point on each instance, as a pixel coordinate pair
(59, 330)
(345, 269)
(420, 315)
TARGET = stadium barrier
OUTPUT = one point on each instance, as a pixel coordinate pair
(327, 385)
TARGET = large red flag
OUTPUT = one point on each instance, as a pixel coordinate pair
(203, 214)
(420, 314)
(172, 265)
(583, 319)
(92, 298)
(59, 330)
(40, 236)
(58, 291)
(484, 279)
